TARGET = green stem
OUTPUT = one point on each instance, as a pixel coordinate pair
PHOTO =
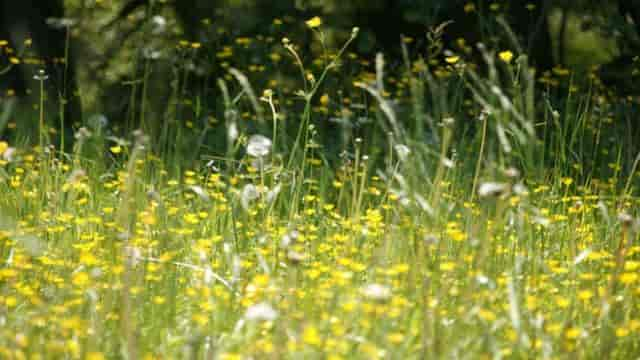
(479, 162)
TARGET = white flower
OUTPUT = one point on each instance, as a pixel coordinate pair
(159, 24)
(258, 146)
(424, 204)
(289, 238)
(249, 193)
(76, 176)
(542, 221)
(403, 151)
(512, 173)
(232, 132)
(448, 163)
(9, 154)
(40, 75)
(520, 189)
(98, 121)
(261, 312)
(625, 218)
(492, 189)
(273, 193)
(60, 23)
(376, 292)
(202, 193)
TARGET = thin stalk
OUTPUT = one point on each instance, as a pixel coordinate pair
(479, 162)
(41, 129)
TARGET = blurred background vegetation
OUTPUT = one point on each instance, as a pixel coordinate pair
(162, 65)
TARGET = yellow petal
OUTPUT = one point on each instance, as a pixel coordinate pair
(314, 22)
(506, 56)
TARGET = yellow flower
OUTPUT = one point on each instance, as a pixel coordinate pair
(573, 333)
(566, 181)
(622, 332)
(452, 59)
(116, 149)
(311, 336)
(562, 302)
(585, 295)
(486, 315)
(148, 218)
(324, 100)
(230, 356)
(395, 338)
(94, 356)
(628, 278)
(560, 71)
(469, 7)
(80, 279)
(506, 56)
(447, 266)
(21, 340)
(314, 22)
(11, 301)
(3, 147)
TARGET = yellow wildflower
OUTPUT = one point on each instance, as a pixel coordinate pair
(311, 336)
(452, 59)
(506, 56)
(314, 22)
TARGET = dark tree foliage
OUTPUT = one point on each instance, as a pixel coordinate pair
(42, 23)
(384, 20)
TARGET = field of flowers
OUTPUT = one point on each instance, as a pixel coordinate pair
(507, 234)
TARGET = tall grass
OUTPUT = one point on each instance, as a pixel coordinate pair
(471, 216)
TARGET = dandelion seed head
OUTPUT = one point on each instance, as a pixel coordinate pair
(402, 151)
(376, 292)
(492, 189)
(259, 146)
(261, 312)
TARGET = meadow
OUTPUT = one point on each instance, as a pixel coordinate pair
(509, 230)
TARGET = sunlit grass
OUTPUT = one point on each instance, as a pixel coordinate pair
(220, 264)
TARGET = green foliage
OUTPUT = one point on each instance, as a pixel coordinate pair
(258, 186)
